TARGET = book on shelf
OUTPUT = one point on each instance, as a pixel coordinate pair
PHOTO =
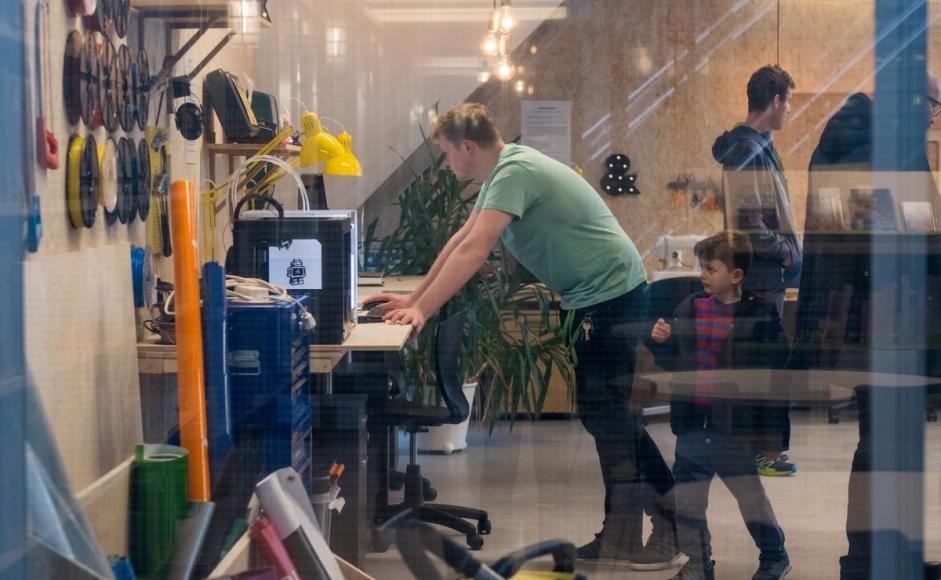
(918, 216)
(826, 211)
(872, 210)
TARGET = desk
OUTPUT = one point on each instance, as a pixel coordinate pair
(392, 284)
(779, 385)
(157, 364)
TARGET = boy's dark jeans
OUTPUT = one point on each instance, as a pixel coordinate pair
(636, 478)
(701, 455)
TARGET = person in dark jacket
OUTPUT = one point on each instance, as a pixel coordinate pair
(846, 145)
(757, 202)
(717, 430)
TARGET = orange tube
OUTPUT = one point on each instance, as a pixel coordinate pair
(189, 338)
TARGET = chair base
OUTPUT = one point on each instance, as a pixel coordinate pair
(415, 508)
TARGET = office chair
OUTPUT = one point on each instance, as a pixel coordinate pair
(416, 540)
(663, 297)
(416, 418)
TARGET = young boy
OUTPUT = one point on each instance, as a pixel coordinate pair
(717, 434)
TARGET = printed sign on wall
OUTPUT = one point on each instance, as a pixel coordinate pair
(547, 127)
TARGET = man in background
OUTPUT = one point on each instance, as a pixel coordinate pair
(758, 203)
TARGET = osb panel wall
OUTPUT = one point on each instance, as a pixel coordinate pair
(659, 80)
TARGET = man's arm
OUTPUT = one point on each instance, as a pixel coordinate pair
(396, 301)
(448, 249)
(752, 188)
(465, 259)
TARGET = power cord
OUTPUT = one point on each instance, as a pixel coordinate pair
(255, 290)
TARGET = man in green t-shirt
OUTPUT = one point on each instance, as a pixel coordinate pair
(560, 229)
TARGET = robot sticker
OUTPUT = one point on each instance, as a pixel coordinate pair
(297, 272)
(296, 266)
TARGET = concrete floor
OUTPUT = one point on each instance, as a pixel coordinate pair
(541, 480)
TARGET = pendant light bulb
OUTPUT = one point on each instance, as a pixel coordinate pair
(505, 69)
(506, 22)
(490, 44)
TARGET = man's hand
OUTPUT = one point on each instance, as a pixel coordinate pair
(391, 301)
(661, 331)
(412, 315)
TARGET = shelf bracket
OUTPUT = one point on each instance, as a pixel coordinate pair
(163, 77)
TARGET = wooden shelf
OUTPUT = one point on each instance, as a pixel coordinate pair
(189, 14)
(249, 149)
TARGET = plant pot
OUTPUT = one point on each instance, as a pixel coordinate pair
(448, 438)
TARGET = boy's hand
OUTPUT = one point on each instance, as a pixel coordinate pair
(661, 331)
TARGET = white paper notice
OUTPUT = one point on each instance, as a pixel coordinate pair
(547, 127)
(297, 267)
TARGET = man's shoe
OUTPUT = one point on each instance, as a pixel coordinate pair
(598, 551)
(772, 567)
(780, 467)
(657, 555)
(696, 571)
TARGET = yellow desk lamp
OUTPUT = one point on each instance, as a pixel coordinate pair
(320, 146)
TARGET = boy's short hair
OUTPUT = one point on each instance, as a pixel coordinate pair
(730, 247)
(764, 84)
(470, 121)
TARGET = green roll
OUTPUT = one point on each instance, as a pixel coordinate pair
(158, 500)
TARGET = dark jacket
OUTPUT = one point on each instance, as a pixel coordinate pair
(846, 141)
(847, 138)
(755, 186)
(756, 341)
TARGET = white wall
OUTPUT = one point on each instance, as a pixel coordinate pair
(379, 67)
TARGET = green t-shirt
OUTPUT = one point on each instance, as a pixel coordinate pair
(562, 230)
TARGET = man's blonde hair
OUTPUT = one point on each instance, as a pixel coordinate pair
(470, 121)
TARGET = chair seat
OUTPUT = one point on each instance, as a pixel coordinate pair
(402, 412)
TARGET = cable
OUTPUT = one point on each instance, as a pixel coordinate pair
(273, 293)
(234, 178)
(325, 118)
(302, 104)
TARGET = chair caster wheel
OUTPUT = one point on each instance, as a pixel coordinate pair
(379, 542)
(429, 493)
(484, 527)
(833, 419)
(475, 542)
(932, 416)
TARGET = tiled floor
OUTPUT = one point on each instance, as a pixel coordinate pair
(541, 481)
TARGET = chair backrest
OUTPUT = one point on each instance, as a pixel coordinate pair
(448, 371)
(665, 295)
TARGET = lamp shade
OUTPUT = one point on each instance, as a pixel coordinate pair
(345, 163)
(318, 145)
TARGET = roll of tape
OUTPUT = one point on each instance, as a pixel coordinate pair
(89, 180)
(72, 181)
(72, 76)
(133, 181)
(158, 501)
(108, 153)
(144, 179)
(142, 276)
